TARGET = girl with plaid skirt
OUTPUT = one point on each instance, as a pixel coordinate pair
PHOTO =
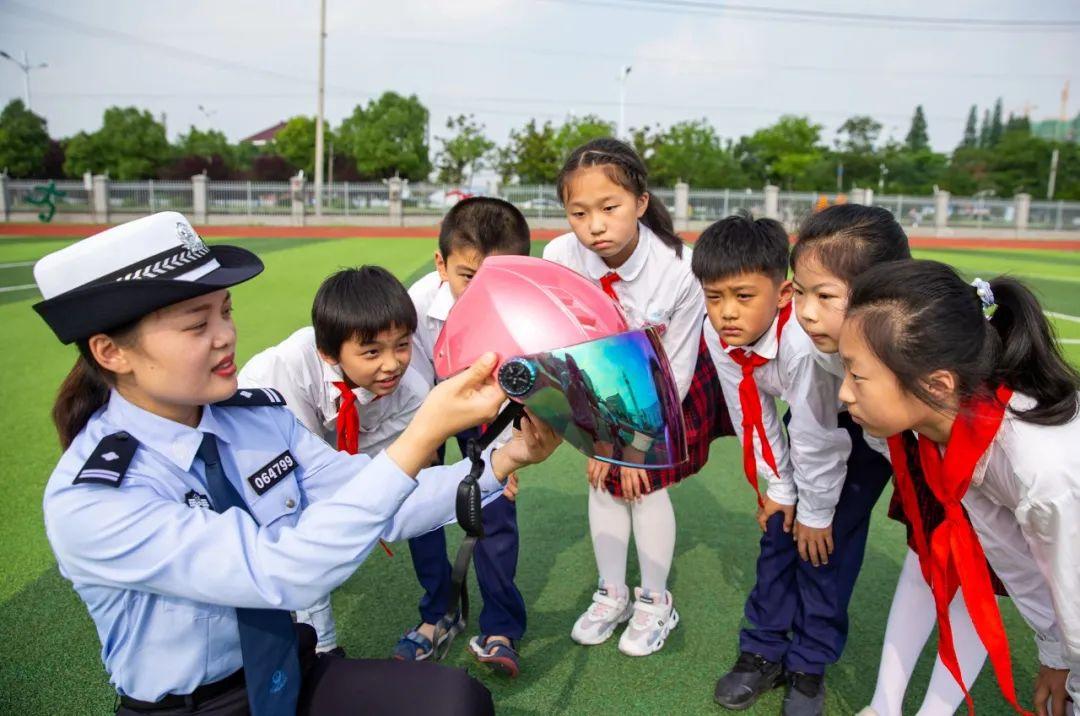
(623, 240)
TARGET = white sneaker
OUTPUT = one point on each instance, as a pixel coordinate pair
(868, 711)
(610, 608)
(654, 618)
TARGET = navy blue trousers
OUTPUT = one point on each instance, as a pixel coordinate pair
(495, 559)
(797, 612)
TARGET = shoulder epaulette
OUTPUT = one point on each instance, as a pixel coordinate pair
(109, 460)
(252, 398)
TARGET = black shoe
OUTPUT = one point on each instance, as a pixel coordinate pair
(752, 676)
(805, 696)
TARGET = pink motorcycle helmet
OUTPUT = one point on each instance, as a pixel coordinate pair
(567, 353)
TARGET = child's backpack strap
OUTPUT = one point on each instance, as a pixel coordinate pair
(109, 460)
(252, 398)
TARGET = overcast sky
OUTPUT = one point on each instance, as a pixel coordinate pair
(251, 64)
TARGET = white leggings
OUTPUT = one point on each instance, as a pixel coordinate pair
(652, 519)
(911, 620)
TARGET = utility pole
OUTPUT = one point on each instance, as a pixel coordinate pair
(26, 67)
(623, 74)
(319, 112)
(1053, 175)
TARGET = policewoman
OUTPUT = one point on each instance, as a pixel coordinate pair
(191, 518)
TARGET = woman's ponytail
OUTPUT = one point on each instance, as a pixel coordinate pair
(83, 391)
(1030, 360)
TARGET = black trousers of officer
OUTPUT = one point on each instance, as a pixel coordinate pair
(335, 685)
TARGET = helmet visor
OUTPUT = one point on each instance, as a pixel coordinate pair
(612, 398)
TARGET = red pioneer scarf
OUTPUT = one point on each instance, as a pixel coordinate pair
(750, 402)
(954, 559)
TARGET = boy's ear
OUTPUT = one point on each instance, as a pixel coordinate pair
(327, 359)
(642, 204)
(787, 290)
(440, 266)
(941, 384)
(109, 355)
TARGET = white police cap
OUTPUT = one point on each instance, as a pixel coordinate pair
(117, 276)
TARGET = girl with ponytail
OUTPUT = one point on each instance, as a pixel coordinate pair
(622, 238)
(994, 405)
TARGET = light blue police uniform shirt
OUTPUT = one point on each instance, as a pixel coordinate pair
(161, 573)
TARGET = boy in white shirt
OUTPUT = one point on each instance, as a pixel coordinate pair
(347, 378)
(471, 231)
(762, 354)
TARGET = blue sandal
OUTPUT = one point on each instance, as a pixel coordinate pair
(498, 655)
(414, 646)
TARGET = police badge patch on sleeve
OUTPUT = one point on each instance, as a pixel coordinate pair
(272, 473)
(197, 500)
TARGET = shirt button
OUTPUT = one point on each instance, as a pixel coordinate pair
(290, 503)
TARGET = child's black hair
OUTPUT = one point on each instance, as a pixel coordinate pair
(740, 244)
(847, 239)
(624, 167)
(485, 224)
(359, 303)
(919, 316)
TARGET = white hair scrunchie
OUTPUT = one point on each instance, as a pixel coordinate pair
(984, 292)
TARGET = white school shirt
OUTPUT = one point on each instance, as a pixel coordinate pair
(1024, 502)
(306, 381)
(657, 288)
(812, 460)
(432, 299)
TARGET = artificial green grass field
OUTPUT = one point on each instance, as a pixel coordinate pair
(51, 663)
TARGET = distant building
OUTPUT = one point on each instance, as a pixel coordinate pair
(266, 136)
(1055, 129)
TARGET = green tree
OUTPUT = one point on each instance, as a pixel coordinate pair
(782, 152)
(387, 137)
(971, 129)
(131, 144)
(205, 144)
(296, 142)
(1019, 124)
(575, 131)
(994, 135)
(858, 134)
(691, 151)
(912, 172)
(531, 154)
(984, 129)
(917, 139)
(24, 141)
(644, 140)
(968, 171)
(462, 152)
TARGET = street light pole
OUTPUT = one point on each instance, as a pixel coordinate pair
(623, 74)
(319, 113)
(25, 66)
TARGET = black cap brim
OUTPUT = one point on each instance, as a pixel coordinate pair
(100, 308)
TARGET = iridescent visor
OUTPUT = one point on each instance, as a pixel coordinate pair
(613, 398)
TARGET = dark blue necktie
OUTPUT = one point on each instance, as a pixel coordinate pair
(267, 637)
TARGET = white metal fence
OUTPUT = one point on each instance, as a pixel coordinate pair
(353, 201)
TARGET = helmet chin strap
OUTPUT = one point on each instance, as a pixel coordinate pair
(470, 517)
